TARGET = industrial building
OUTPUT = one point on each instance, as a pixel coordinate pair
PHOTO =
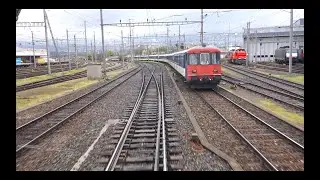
(263, 41)
(26, 55)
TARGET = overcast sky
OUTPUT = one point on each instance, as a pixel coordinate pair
(73, 20)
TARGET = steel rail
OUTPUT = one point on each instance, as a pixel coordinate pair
(67, 103)
(286, 82)
(277, 99)
(71, 115)
(263, 122)
(244, 138)
(285, 90)
(116, 153)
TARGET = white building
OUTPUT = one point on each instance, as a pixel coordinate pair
(263, 41)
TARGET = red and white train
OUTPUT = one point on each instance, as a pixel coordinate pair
(200, 66)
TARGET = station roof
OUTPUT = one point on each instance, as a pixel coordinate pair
(29, 52)
(274, 34)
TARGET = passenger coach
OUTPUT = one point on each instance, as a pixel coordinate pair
(200, 66)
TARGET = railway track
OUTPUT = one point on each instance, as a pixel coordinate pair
(42, 70)
(285, 98)
(279, 151)
(286, 82)
(298, 70)
(27, 135)
(31, 65)
(145, 140)
(296, 90)
(21, 75)
(58, 79)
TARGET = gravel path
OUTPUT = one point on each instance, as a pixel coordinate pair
(218, 133)
(62, 149)
(25, 116)
(280, 152)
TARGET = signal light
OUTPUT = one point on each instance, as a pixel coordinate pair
(194, 71)
(215, 70)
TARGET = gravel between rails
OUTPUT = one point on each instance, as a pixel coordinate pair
(251, 77)
(275, 122)
(193, 160)
(27, 115)
(287, 101)
(219, 133)
(280, 152)
(62, 149)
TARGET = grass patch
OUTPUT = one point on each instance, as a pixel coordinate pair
(42, 94)
(276, 109)
(20, 82)
(73, 71)
(227, 71)
(290, 77)
(293, 78)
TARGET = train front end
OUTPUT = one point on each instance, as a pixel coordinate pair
(203, 69)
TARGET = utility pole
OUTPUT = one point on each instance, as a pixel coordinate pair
(34, 57)
(130, 40)
(75, 50)
(256, 49)
(235, 39)
(47, 45)
(228, 35)
(179, 39)
(122, 49)
(148, 51)
(225, 43)
(91, 52)
(132, 43)
(94, 46)
(54, 43)
(184, 41)
(68, 50)
(167, 39)
(103, 56)
(248, 44)
(201, 33)
(85, 34)
(291, 33)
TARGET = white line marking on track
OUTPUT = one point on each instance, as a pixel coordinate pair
(86, 154)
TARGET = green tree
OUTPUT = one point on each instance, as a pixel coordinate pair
(109, 53)
(89, 57)
(163, 49)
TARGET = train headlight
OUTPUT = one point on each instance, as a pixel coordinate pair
(215, 70)
(194, 71)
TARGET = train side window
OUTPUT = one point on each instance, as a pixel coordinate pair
(193, 59)
(218, 58)
(214, 58)
(204, 58)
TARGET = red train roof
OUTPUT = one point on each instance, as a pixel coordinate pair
(199, 49)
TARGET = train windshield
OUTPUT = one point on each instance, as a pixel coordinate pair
(193, 59)
(204, 58)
